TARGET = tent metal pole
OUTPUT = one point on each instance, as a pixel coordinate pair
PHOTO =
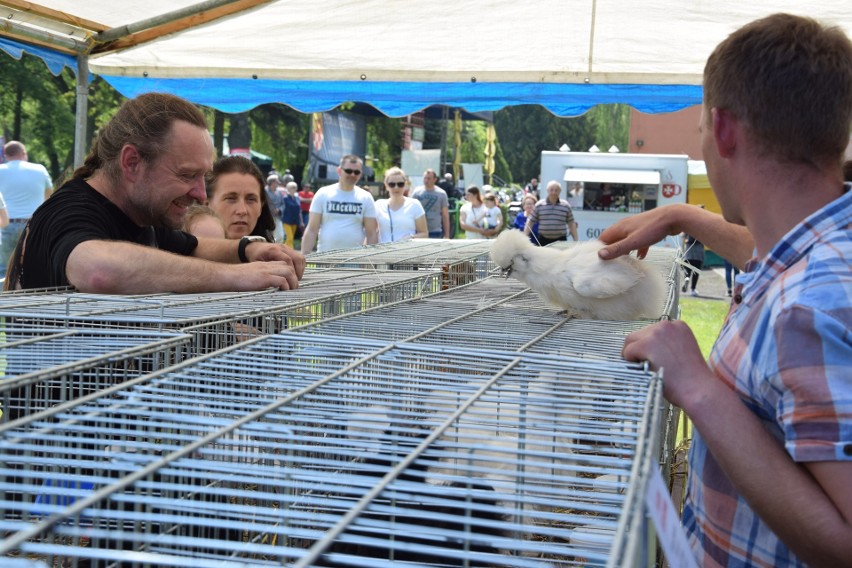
(82, 112)
(185, 12)
(41, 36)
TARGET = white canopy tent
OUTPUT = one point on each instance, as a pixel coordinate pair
(399, 56)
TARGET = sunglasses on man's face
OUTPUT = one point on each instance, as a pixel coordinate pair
(395, 183)
(352, 172)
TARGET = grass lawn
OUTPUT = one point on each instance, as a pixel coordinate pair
(705, 318)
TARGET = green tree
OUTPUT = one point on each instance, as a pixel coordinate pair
(610, 125)
(384, 143)
(525, 130)
(281, 132)
(38, 108)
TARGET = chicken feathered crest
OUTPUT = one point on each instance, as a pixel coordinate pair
(578, 281)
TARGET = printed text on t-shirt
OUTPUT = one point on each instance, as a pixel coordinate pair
(344, 208)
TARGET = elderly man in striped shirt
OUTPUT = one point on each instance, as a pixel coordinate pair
(554, 217)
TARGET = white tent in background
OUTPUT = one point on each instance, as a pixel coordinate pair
(567, 55)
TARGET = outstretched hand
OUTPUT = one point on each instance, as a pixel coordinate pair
(639, 232)
(262, 275)
(671, 346)
(270, 252)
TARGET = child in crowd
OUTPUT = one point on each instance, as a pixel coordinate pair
(493, 221)
(202, 221)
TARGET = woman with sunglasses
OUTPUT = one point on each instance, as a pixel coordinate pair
(399, 217)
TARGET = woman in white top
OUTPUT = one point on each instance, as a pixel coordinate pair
(472, 214)
(399, 217)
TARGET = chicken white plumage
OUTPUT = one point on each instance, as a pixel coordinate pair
(578, 281)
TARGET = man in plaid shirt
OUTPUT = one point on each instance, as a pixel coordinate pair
(771, 463)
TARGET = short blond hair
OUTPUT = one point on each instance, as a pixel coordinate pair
(195, 212)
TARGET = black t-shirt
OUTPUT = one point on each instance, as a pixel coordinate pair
(77, 213)
(449, 188)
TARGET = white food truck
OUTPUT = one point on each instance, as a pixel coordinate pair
(605, 187)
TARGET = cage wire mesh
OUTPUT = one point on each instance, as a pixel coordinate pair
(494, 313)
(318, 451)
(40, 367)
(459, 261)
(504, 315)
(218, 320)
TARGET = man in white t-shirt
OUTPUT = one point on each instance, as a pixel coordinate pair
(24, 187)
(342, 215)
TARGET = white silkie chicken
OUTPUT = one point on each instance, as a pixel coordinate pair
(578, 281)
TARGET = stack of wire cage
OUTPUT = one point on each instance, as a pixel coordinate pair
(467, 424)
(41, 367)
(325, 451)
(217, 320)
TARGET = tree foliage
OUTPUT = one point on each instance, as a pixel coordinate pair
(34, 106)
(281, 132)
(39, 109)
(524, 131)
(384, 143)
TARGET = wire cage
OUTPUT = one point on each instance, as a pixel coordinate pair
(459, 261)
(503, 315)
(41, 367)
(217, 320)
(319, 451)
(493, 313)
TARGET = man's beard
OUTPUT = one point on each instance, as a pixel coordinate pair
(161, 218)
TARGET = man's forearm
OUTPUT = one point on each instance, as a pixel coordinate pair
(371, 230)
(817, 532)
(638, 232)
(218, 250)
(732, 242)
(108, 267)
(309, 239)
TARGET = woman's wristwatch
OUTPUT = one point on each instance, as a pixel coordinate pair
(241, 249)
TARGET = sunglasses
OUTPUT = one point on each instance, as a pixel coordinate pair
(395, 183)
(352, 172)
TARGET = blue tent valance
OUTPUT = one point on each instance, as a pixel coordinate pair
(54, 60)
(403, 98)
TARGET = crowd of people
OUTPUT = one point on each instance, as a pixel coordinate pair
(233, 200)
(771, 458)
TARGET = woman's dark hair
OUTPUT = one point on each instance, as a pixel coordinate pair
(265, 226)
(475, 191)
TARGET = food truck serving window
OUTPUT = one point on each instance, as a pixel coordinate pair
(637, 177)
(630, 191)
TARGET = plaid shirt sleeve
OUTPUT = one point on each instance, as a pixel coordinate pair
(786, 350)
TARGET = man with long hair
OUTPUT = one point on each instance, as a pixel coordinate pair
(114, 227)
